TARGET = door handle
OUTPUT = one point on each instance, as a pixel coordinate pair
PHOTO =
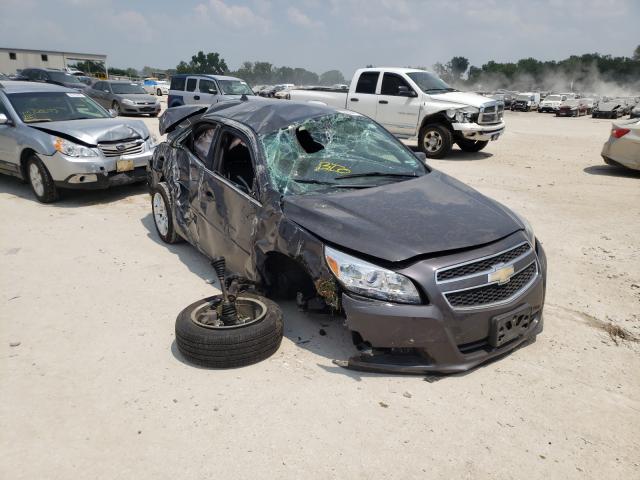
(196, 97)
(354, 99)
(383, 101)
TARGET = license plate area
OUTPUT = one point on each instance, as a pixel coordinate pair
(509, 326)
(124, 166)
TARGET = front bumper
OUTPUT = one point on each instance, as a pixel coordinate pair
(475, 131)
(95, 172)
(547, 108)
(435, 337)
(140, 109)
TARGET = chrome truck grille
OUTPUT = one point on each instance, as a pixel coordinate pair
(479, 283)
(118, 149)
(491, 113)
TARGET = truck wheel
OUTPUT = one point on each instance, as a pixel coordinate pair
(163, 214)
(435, 140)
(204, 343)
(471, 145)
(40, 180)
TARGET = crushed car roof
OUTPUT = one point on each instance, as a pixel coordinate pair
(260, 114)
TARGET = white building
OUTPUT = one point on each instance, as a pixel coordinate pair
(14, 59)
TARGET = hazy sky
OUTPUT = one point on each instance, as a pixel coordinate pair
(322, 34)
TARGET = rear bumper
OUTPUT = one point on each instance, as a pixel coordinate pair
(615, 152)
(436, 338)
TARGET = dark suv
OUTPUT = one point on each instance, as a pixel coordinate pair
(51, 75)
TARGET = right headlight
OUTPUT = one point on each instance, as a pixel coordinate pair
(370, 280)
(126, 101)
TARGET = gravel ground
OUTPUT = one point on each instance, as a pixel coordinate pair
(93, 386)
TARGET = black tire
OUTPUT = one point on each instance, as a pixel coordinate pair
(159, 92)
(44, 189)
(116, 106)
(471, 145)
(229, 347)
(445, 141)
(161, 193)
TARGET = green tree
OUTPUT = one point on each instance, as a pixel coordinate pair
(458, 67)
(636, 54)
(332, 77)
(204, 63)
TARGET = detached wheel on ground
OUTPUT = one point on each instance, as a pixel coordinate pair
(163, 214)
(40, 180)
(435, 140)
(203, 341)
(471, 145)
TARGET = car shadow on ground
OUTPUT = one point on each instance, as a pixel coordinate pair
(72, 198)
(459, 155)
(611, 171)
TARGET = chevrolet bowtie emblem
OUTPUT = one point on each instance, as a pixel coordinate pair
(501, 274)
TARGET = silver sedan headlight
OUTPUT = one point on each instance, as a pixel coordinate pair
(370, 280)
(126, 101)
(72, 149)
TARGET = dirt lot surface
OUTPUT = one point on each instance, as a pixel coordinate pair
(93, 386)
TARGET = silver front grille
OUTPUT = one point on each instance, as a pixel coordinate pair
(491, 113)
(123, 148)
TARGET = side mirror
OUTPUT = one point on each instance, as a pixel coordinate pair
(421, 156)
(213, 92)
(403, 91)
(112, 113)
(4, 120)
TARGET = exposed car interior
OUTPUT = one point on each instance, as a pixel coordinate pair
(235, 162)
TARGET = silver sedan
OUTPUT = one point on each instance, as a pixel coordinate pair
(55, 137)
(623, 146)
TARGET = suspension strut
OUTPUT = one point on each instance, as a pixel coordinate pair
(229, 315)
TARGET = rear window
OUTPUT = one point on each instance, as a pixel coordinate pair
(177, 83)
(367, 82)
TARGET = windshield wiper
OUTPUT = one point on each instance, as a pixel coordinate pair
(376, 174)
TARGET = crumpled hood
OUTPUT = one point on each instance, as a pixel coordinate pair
(398, 221)
(96, 130)
(463, 98)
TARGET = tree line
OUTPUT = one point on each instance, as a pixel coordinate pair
(577, 72)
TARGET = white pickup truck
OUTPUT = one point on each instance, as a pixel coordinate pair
(417, 106)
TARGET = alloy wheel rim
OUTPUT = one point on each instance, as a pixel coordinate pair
(36, 179)
(160, 214)
(432, 141)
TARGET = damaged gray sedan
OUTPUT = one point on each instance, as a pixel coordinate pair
(325, 206)
(57, 138)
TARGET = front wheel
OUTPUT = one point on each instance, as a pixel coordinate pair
(471, 145)
(162, 214)
(204, 340)
(435, 140)
(40, 180)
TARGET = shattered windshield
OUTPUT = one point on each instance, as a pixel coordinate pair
(336, 151)
(235, 87)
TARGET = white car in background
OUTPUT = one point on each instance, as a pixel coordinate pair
(156, 87)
